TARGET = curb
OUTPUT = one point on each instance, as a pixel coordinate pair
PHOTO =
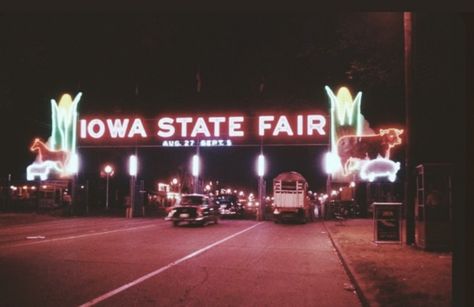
(362, 297)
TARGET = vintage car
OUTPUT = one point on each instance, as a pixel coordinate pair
(194, 209)
(229, 205)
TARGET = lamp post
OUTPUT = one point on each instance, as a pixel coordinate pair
(132, 170)
(352, 186)
(108, 172)
(74, 169)
(261, 173)
(195, 172)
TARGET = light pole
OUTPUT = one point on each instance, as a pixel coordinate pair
(74, 169)
(195, 172)
(352, 186)
(261, 173)
(108, 172)
(132, 170)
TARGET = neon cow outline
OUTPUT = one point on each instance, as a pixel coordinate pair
(353, 149)
(41, 169)
(380, 167)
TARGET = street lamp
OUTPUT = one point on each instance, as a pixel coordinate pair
(109, 171)
(132, 170)
(74, 169)
(261, 173)
(195, 171)
(352, 186)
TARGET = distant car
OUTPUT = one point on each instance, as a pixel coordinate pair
(194, 209)
(229, 205)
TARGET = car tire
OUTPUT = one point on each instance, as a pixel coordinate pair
(175, 223)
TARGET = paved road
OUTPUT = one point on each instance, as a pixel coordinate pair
(147, 262)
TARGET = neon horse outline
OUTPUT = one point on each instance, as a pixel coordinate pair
(46, 154)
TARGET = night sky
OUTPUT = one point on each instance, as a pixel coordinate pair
(147, 65)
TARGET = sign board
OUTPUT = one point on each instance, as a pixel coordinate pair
(188, 130)
(358, 153)
(387, 222)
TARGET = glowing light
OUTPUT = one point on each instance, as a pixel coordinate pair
(314, 123)
(379, 167)
(283, 126)
(344, 106)
(64, 119)
(195, 166)
(332, 163)
(344, 112)
(352, 184)
(235, 123)
(73, 165)
(261, 165)
(174, 181)
(41, 169)
(354, 149)
(59, 152)
(108, 169)
(133, 165)
(137, 128)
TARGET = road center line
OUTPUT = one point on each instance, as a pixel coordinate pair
(162, 269)
(82, 236)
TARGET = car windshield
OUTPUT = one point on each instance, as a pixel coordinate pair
(191, 201)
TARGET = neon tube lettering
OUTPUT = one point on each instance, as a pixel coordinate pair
(117, 128)
(91, 128)
(299, 128)
(200, 127)
(184, 121)
(166, 127)
(283, 126)
(235, 123)
(217, 121)
(263, 125)
(316, 122)
(137, 128)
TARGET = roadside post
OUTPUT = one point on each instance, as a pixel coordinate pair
(132, 169)
(260, 173)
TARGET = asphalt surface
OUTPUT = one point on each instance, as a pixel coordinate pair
(148, 262)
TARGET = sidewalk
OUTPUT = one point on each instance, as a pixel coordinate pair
(391, 274)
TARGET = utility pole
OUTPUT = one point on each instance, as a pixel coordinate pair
(409, 180)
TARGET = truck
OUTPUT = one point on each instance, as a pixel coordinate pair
(290, 198)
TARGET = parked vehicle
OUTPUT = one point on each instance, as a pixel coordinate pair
(229, 205)
(194, 209)
(290, 200)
